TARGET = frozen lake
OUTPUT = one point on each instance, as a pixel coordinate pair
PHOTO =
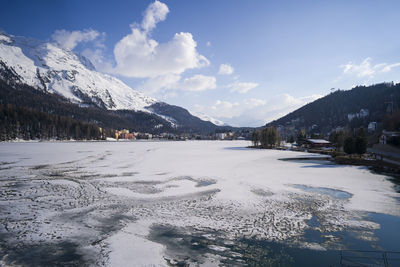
(195, 202)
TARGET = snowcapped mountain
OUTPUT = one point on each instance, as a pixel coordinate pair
(55, 71)
(205, 117)
(50, 68)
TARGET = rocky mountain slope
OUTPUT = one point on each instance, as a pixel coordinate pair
(47, 67)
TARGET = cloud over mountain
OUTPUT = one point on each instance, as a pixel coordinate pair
(254, 111)
(70, 39)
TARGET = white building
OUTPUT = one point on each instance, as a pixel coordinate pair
(372, 126)
(364, 113)
(386, 135)
(351, 116)
(221, 136)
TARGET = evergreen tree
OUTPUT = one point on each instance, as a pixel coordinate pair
(349, 145)
(255, 138)
(269, 137)
(360, 142)
(273, 137)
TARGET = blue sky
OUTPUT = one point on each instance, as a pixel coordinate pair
(276, 55)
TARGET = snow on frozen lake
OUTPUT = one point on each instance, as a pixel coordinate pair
(159, 203)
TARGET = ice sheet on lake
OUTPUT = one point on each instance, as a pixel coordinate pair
(97, 194)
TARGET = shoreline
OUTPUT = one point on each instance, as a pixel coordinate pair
(340, 158)
(110, 141)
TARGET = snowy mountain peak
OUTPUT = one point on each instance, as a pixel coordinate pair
(205, 117)
(4, 38)
(48, 67)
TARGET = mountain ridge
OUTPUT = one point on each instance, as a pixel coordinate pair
(46, 66)
(49, 68)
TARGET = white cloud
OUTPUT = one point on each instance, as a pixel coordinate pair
(161, 83)
(169, 95)
(96, 57)
(138, 55)
(254, 102)
(361, 70)
(253, 111)
(388, 68)
(224, 104)
(225, 69)
(70, 39)
(241, 87)
(174, 82)
(225, 109)
(365, 69)
(198, 83)
(154, 13)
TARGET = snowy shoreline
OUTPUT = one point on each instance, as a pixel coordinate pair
(105, 141)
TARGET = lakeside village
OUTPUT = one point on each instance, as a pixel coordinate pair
(364, 143)
(126, 135)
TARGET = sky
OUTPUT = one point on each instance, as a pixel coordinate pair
(242, 62)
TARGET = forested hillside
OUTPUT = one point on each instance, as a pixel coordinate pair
(182, 117)
(332, 110)
(28, 113)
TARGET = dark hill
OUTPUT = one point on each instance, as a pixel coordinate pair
(332, 110)
(181, 116)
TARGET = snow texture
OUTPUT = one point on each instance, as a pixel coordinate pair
(110, 197)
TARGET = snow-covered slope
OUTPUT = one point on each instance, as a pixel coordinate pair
(46, 66)
(205, 117)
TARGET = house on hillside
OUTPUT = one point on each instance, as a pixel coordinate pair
(360, 115)
(338, 129)
(351, 116)
(364, 113)
(316, 143)
(372, 126)
(387, 135)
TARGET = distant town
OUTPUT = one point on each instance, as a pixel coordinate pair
(126, 135)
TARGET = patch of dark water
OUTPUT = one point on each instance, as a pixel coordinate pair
(192, 246)
(2, 163)
(202, 183)
(312, 234)
(44, 254)
(389, 232)
(127, 174)
(396, 183)
(313, 159)
(238, 148)
(113, 223)
(39, 167)
(314, 162)
(261, 192)
(335, 193)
